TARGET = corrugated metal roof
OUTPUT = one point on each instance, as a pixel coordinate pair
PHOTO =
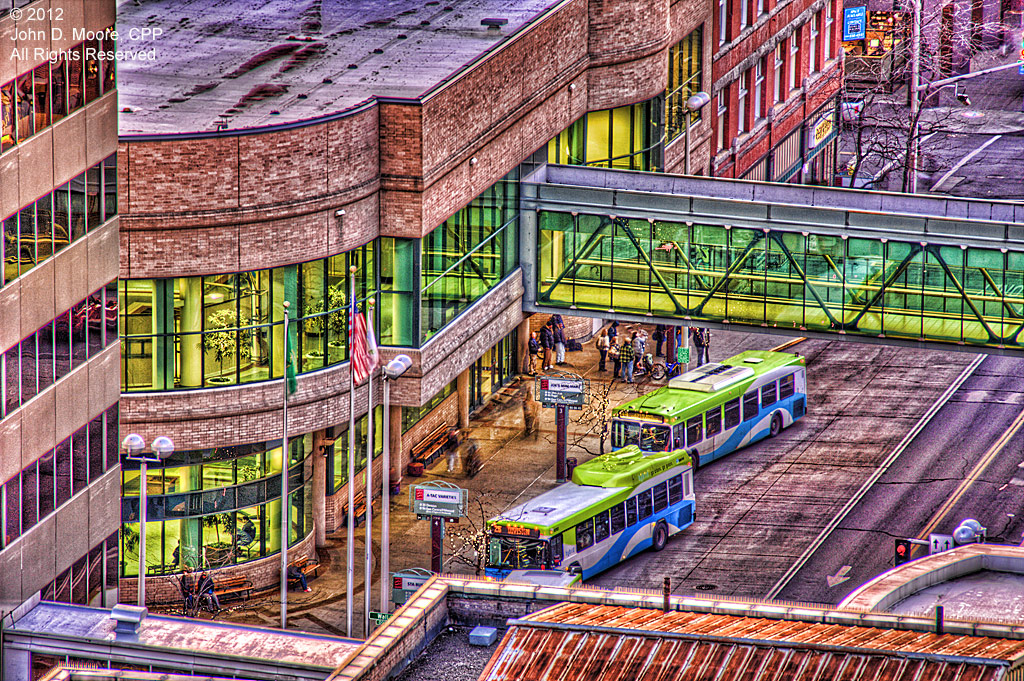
(580, 642)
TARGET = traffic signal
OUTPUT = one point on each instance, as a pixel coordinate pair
(902, 554)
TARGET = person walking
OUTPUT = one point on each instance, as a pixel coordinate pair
(547, 341)
(558, 332)
(626, 357)
(701, 342)
(533, 347)
(659, 338)
(603, 343)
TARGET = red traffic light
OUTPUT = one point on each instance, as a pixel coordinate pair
(902, 553)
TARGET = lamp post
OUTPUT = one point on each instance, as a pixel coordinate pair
(694, 104)
(135, 445)
(395, 368)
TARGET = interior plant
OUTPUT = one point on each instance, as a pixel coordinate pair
(229, 341)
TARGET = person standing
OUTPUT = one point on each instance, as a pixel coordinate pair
(613, 352)
(558, 332)
(701, 342)
(533, 347)
(626, 357)
(602, 347)
(659, 338)
(547, 341)
(639, 343)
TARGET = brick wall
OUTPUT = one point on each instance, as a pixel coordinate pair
(264, 573)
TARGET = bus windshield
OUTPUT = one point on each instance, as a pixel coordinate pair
(647, 436)
(517, 554)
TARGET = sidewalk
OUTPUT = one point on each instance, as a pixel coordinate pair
(514, 468)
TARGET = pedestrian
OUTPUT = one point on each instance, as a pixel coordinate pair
(613, 332)
(639, 343)
(452, 447)
(205, 588)
(613, 353)
(296, 573)
(659, 338)
(547, 341)
(533, 348)
(626, 357)
(701, 342)
(453, 458)
(531, 412)
(558, 332)
(603, 343)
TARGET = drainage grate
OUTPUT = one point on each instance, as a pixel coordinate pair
(705, 587)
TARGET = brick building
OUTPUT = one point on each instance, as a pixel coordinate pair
(264, 155)
(777, 73)
(59, 472)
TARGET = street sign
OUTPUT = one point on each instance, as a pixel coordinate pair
(683, 355)
(855, 23)
(430, 499)
(379, 618)
(407, 582)
(555, 391)
(940, 542)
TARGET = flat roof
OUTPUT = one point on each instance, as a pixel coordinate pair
(558, 504)
(280, 61)
(189, 636)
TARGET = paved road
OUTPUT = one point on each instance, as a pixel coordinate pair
(760, 508)
(924, 477)
(981, 165)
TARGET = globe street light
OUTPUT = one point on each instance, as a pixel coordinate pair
(694, 104)
(392, 370)
(135, 446)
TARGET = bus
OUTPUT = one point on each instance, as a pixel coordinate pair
(717, 407)
(615, 506)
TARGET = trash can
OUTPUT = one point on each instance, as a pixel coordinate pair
(570, 463)
(415, 469)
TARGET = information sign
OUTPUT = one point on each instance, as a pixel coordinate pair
(940, 542)
(379, 618)
(443, 502)
(407, 582)
(855, 21)
(555, 391)
(683, 355)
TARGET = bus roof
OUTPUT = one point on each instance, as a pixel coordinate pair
(705, 385)
(557, 505)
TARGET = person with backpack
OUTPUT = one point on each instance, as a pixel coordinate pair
(558, 333)
(702, 343)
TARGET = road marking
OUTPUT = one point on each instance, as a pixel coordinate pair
(959, 164)
(904, 443)
(788, 344)
(839, 577)
(990, 456)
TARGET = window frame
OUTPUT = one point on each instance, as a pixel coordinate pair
(787, 386)
(756, 395)
(769, 390)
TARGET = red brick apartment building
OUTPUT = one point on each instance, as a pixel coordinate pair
(777, 71)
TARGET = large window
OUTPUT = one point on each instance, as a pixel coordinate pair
(629, 137)
(723, 119)
(412, 415)
(742, 98)
(468, 254)
(759, 69)
(215, 507)
(723, 21)
(684, 81)
(226, 329)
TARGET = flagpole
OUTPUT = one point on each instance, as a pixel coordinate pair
(284, 476)
(350, 568)
(368, 574)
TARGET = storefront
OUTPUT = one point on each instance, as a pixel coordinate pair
(807, 155)
(874, 43)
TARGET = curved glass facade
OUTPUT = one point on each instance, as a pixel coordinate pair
(215, 507)
(627, 137)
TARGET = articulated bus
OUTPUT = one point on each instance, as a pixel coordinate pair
(615, 506)
(716, 408)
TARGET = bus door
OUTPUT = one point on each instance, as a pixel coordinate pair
(713, 437)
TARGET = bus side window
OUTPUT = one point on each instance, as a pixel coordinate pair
(786, 387)
(713, 419)
(585, 534)
(732, 413)
(555, 549)
(618, 517)
(631, 515)
(694, 430)
(769, 394)
(601, 526)
(660, 497)
(678, 436)
(644, 503)
(675, 489)
(750, 406)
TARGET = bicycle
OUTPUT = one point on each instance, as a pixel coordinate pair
(659, 371)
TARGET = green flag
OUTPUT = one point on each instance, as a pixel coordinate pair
(290, 367)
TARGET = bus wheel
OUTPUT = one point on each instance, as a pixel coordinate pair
(776, 425)
(660, 537)
(695, 457)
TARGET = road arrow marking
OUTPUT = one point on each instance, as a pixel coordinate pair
(839, 577)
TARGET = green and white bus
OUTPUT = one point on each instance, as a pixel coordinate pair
(615, 506)
(716, 408)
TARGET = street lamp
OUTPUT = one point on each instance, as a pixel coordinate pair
(163, 447)
(395, 368)
(694, 104)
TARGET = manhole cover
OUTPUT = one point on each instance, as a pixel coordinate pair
(706, 587)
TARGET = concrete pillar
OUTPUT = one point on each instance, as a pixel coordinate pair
(320, 487)
(462, 386)
(523, 344)
(395, 443)
(17, 665)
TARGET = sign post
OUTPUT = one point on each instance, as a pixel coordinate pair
(562, 394)
(560, 438)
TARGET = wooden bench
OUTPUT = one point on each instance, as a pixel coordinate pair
(359, 515)
(237, 586)
(307, 567)
(430, 447)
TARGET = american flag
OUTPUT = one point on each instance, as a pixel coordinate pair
(364, 347)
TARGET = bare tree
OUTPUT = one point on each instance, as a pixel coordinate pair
(595, 418)
(467, 540)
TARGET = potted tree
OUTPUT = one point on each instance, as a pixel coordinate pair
(229, 342)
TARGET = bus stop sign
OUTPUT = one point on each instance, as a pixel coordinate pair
(407, 582)
(429, 499)
(558, 391)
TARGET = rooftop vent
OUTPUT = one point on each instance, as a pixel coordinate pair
(127, 621)
(493, 24)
